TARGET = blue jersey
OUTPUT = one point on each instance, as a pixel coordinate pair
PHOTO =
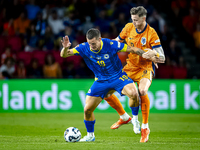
(105, 62)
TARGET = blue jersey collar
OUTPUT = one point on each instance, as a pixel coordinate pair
(97, 51)
(142, 30)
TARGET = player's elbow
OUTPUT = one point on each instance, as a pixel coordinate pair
(163, 58)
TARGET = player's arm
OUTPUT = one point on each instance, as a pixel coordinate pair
(66, 52)
(160, 53)
(139, 51)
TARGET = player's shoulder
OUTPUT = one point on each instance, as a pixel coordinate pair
(129, 27)
(82, 45)
(107, 41)
(151, 29)
(129, 24)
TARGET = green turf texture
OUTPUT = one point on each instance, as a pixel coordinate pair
(45, 131)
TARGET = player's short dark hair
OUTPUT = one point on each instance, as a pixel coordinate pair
(140, 11)
(93, 33)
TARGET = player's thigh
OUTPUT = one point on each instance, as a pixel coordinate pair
(92, 102)
(98, 89)
(144, 86)
(130, 90)
(145, 82)
(119, 84)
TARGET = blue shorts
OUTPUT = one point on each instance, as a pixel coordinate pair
(101, 88)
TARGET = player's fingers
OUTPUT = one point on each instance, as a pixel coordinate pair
(145, 55)
(66, 38)
(156, 65)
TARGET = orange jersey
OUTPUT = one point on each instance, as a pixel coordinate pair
(148, 38)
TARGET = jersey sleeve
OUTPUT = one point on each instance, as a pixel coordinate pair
(154, 40)
(123, 33)
(118, 46)
(78, 50)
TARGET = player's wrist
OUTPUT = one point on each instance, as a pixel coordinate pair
(65, 48)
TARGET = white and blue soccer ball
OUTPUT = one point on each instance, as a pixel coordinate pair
(72, 134)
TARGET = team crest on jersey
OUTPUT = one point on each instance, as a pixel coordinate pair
(91, 57)
(106, 56)
(111, 43)
(143, 41)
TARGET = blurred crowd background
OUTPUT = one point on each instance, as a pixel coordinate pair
(31, 31)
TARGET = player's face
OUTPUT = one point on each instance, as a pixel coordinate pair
(94, 43)
(137, 21)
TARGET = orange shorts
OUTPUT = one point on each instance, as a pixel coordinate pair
(137, 74)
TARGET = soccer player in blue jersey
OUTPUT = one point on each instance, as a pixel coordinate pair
(101, 57)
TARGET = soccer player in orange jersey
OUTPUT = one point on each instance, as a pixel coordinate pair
(140, 34)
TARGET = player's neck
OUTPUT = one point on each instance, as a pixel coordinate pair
(142, 27)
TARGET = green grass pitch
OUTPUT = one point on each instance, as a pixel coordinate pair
(45, 131)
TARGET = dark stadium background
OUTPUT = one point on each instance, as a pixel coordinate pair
(42, 94)
(25, 45)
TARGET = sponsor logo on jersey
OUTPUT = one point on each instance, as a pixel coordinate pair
(156, 41)
(106, 56)
(91, 57)
(111, 43)
(132, 44)
(83, 43)
(143, 41)
(144, 72)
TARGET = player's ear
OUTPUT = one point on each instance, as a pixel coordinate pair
(144, 18)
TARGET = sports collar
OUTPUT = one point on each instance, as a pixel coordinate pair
(142, 30)
(97, 51)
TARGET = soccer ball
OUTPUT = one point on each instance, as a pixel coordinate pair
(72, 134)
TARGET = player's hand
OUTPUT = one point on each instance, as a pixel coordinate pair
(156, 65)
(149, 53)
(65, 42)
(156, 60)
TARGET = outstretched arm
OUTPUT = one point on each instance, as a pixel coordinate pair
(66, 52)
